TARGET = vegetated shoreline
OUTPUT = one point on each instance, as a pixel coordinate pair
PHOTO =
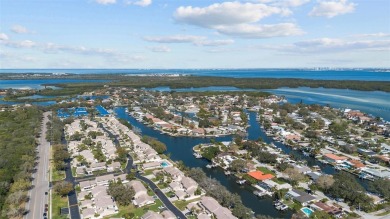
(191, 81)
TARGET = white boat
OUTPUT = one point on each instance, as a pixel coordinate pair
(259, 193)
(197, 155)
(241, 182)
(209, 166)
(227, 173)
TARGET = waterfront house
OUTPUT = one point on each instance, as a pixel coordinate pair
(332, 158)
(366, 152)
(260, 175)
(300, 196)
(211, 206)
(377, 173)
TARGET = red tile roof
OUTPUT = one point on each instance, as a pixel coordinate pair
(260, 175)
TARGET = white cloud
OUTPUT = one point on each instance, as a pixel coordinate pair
(19, 29)
(213, 42)
(174, 39)
(105, 2)
(336, 45)
(226, 14)
(332, 8)
(160, 48)
(143, 3)
(3, 36)
(261, 31)
(380, 34)
(195, 40)
(239, 19)
(20, 44)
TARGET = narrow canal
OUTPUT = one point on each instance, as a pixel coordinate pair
(180, 148)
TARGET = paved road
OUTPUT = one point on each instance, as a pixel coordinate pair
(38, 199)
(74, 211)
(162, 197)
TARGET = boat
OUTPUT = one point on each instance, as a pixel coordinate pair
(227, 173)
(259, 193)
(306, 154)
(197, 155)
(283, 207)
(337, 168)
(209, 166)
(241, 182)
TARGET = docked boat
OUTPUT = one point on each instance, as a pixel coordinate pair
(259, 193)
(241, 182)
(197, 155)
(227, 173)
(209, 166)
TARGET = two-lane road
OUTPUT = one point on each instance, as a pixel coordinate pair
(38, 199)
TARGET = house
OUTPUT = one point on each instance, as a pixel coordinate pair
(332, 210)
(86, 185)
(98, 166)
(376, 173)
(141, 197)
(88, 213)
(300, 196)
(189, 185)
(168, 215)
(152, 215)
(260, 175)
(355, 163)
(86, 204)
(113, 166)
(105, 179)
(105, 205)
(366, 152)
(213, 207)
(151, 165)
(332, 158)
(269, 185)
(314, 175)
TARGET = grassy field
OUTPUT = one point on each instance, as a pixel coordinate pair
(181, 204)
(265, 170)
(131, 211)
(58, 203)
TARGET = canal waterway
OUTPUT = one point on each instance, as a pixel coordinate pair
(180, 149)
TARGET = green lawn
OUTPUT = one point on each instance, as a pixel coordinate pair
(279, 180)
(181, 204)
(131, 211)
(57, 175)
(265, 170)
(58, 203)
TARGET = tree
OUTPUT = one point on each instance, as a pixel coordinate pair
(121, 193)
(324, 182)
(210, 152)
(380, 186)
(294, 175)
(238, 165)
(345, 186)
(63, 188)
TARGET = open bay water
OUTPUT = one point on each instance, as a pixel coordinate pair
(38, 83)
(339, 74)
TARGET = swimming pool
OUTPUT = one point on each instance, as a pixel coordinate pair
(164, 164)
(307, 211)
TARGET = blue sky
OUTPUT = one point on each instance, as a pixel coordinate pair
(194, 34)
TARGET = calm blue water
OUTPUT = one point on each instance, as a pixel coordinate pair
(346, 74)
(376, 103)
(37, 84)
(180, 148)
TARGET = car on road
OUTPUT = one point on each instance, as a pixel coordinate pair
(46, 193)
(45, 214)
